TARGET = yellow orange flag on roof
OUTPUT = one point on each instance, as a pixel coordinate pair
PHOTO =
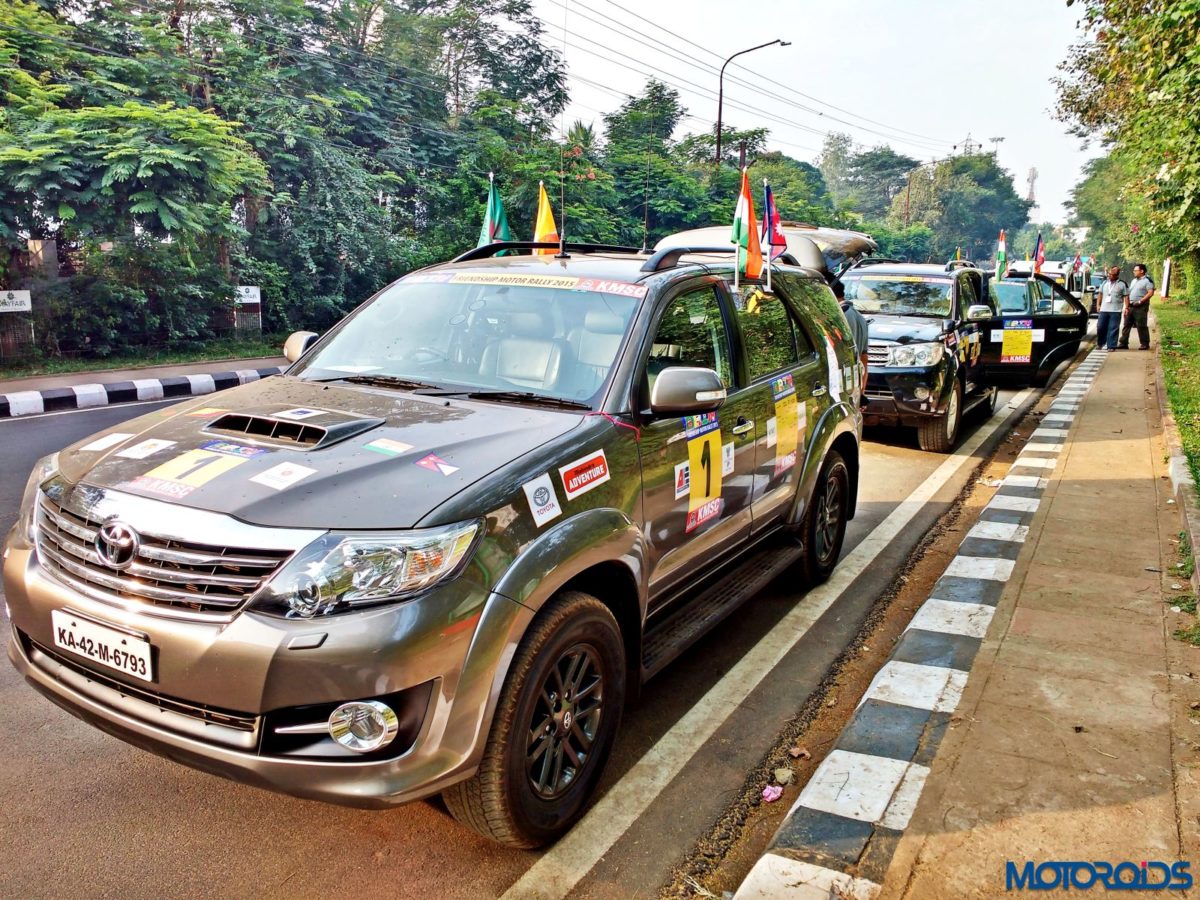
(545, 230)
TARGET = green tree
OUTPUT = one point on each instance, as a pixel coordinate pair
(834, 162)
(873, 179)
(1134, 84)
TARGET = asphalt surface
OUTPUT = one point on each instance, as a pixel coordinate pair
(83, 813)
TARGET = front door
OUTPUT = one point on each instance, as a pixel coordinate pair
(697, 471)
(969, 336)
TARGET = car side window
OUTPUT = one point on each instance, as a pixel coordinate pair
(768, 332)
(967, 296)
(691, 333)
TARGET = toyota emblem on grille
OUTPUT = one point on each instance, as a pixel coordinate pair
(116, 545)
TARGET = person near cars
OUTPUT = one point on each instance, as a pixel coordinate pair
(858, 327)
(1113, 295)
(1137, 309)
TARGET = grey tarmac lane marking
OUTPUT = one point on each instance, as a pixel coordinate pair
(564, 865)
(842, 831)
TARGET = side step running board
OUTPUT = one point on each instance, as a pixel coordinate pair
(709, 608)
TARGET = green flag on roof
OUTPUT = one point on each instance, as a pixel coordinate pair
(495, 222)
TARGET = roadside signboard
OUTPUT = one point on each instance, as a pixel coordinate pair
(248, 294)
(15, 301)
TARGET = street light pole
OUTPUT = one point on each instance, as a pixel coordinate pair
(721, 85)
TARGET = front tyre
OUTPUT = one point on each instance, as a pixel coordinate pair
(554, 727)
(940, 433)
(825, 522)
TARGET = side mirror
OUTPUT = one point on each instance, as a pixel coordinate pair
(684, 389)
(977, 312)
(297, 343)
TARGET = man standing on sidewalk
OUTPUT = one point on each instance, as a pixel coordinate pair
(1137, 309)
(1113, 295)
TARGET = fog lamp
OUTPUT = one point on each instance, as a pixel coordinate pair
(921, 392)
(363, 725)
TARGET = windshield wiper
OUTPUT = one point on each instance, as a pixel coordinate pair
(390, 381)
(511, 396)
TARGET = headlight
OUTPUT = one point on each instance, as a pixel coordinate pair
(42, 469)
(338, 572)
(910, 355)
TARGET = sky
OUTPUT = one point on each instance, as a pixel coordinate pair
(920, 75)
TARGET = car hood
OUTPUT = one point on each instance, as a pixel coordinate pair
(375, 458)
(904, 329)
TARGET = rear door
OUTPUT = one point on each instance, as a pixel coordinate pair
(1044, 332)
(697, 471)
(789, 384)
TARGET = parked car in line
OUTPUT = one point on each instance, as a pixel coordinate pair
(1056, 319)
(440, 552)
(925, 358)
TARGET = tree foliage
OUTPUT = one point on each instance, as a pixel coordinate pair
(1134, 85)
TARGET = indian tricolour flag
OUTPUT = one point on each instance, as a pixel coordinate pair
(745, 234)
(1001, 256)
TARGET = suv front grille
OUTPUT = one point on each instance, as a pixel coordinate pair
(183, 579)
(877, 354)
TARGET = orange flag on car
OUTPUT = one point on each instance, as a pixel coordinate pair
(544, 230)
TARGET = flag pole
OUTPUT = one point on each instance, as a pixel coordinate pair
(770, 229)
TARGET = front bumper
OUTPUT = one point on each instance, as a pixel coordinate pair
(221, 689)
(892, 396)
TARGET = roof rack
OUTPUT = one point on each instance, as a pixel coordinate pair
(668, 257)
(960, 264)
(489, 250)
(867, 261)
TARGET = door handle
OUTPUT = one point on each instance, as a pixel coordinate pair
(819, 391)
(743, 426)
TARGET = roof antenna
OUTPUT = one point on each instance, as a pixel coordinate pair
(562, 165)
(646, 201)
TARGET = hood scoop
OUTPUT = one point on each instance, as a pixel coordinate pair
(286, 433)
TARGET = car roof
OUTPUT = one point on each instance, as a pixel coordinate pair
(611, 265)
(906, 269)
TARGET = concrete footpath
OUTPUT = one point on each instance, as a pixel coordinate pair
(1075, 739)
(51, 393)
(1037, 711)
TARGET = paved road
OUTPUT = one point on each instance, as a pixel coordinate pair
(81, 812)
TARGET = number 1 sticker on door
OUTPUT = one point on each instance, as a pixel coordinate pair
(704, 464)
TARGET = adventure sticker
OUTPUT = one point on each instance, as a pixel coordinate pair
(787, 428)
(543, 502)
(145, 448)
(706, 512)
(388, 447)
(283, 475)
(584, 474)
(178, 477)
(705, 467)
(103, 443)
(782, 386)
(435, 463)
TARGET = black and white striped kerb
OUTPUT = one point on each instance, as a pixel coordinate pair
(82, 396)
(839, 837)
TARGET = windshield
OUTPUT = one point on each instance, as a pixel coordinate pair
(900, 295)
(509, 333)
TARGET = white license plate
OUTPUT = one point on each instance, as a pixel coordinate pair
(106, 646)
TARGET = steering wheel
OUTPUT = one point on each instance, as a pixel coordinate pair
(425, 355)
